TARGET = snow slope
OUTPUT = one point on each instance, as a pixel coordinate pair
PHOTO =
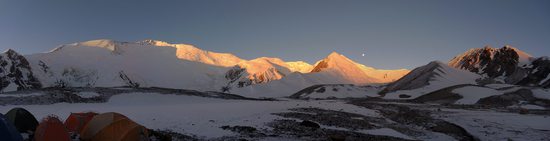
(384, 76)
(472, 94)
(107, 63)
(299, 66)
(343, 68)
(425, 79)
(192, 53)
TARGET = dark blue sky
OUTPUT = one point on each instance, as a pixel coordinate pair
(391, 33)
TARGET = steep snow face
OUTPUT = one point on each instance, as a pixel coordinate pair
(15, 73)
(492, 62)
(428, 78)
(384, 76)
(344, 68)
(192, 53)
(105, 63)
(299, 66)
(260, 70)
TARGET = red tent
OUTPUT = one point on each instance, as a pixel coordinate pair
(76, 121)
(51, 129)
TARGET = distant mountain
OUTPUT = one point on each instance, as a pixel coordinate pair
(505, 65)
(260, 70)
(15, 72)
(354, 72)
(428, 78)
(334, 69)
(153, 63)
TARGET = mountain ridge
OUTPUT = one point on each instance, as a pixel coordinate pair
(110, 63)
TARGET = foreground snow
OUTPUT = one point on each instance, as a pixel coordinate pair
(496, 126)
(203, 117)
(189, 114)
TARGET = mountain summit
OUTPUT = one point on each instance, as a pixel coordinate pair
(339, 65)
(492, 62)
(505, 65)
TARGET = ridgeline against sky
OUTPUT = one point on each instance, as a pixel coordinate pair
(391, 34)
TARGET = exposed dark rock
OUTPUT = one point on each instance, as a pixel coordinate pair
(332, 118)
(507, 63)
(513, 98)
(310, 124)
(492, 62)
(291, 128)
(320, 66)
(240, 129)
(127, 80)
(167, 135)
(442, 96)
(405, 115)
(404, 96)
(537, 73)
(15, 69)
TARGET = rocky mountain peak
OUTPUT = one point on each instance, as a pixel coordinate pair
(492, 62)
(15, 72)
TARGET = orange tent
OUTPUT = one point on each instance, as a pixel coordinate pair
(76, 121)
(51, 129)
(113, 127)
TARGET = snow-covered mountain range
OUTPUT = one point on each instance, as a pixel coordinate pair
(153, 63)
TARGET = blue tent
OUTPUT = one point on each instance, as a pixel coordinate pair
(8, 132)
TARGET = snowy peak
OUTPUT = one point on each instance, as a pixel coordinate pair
(341, 67)
(333, 61)
(338, 63)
